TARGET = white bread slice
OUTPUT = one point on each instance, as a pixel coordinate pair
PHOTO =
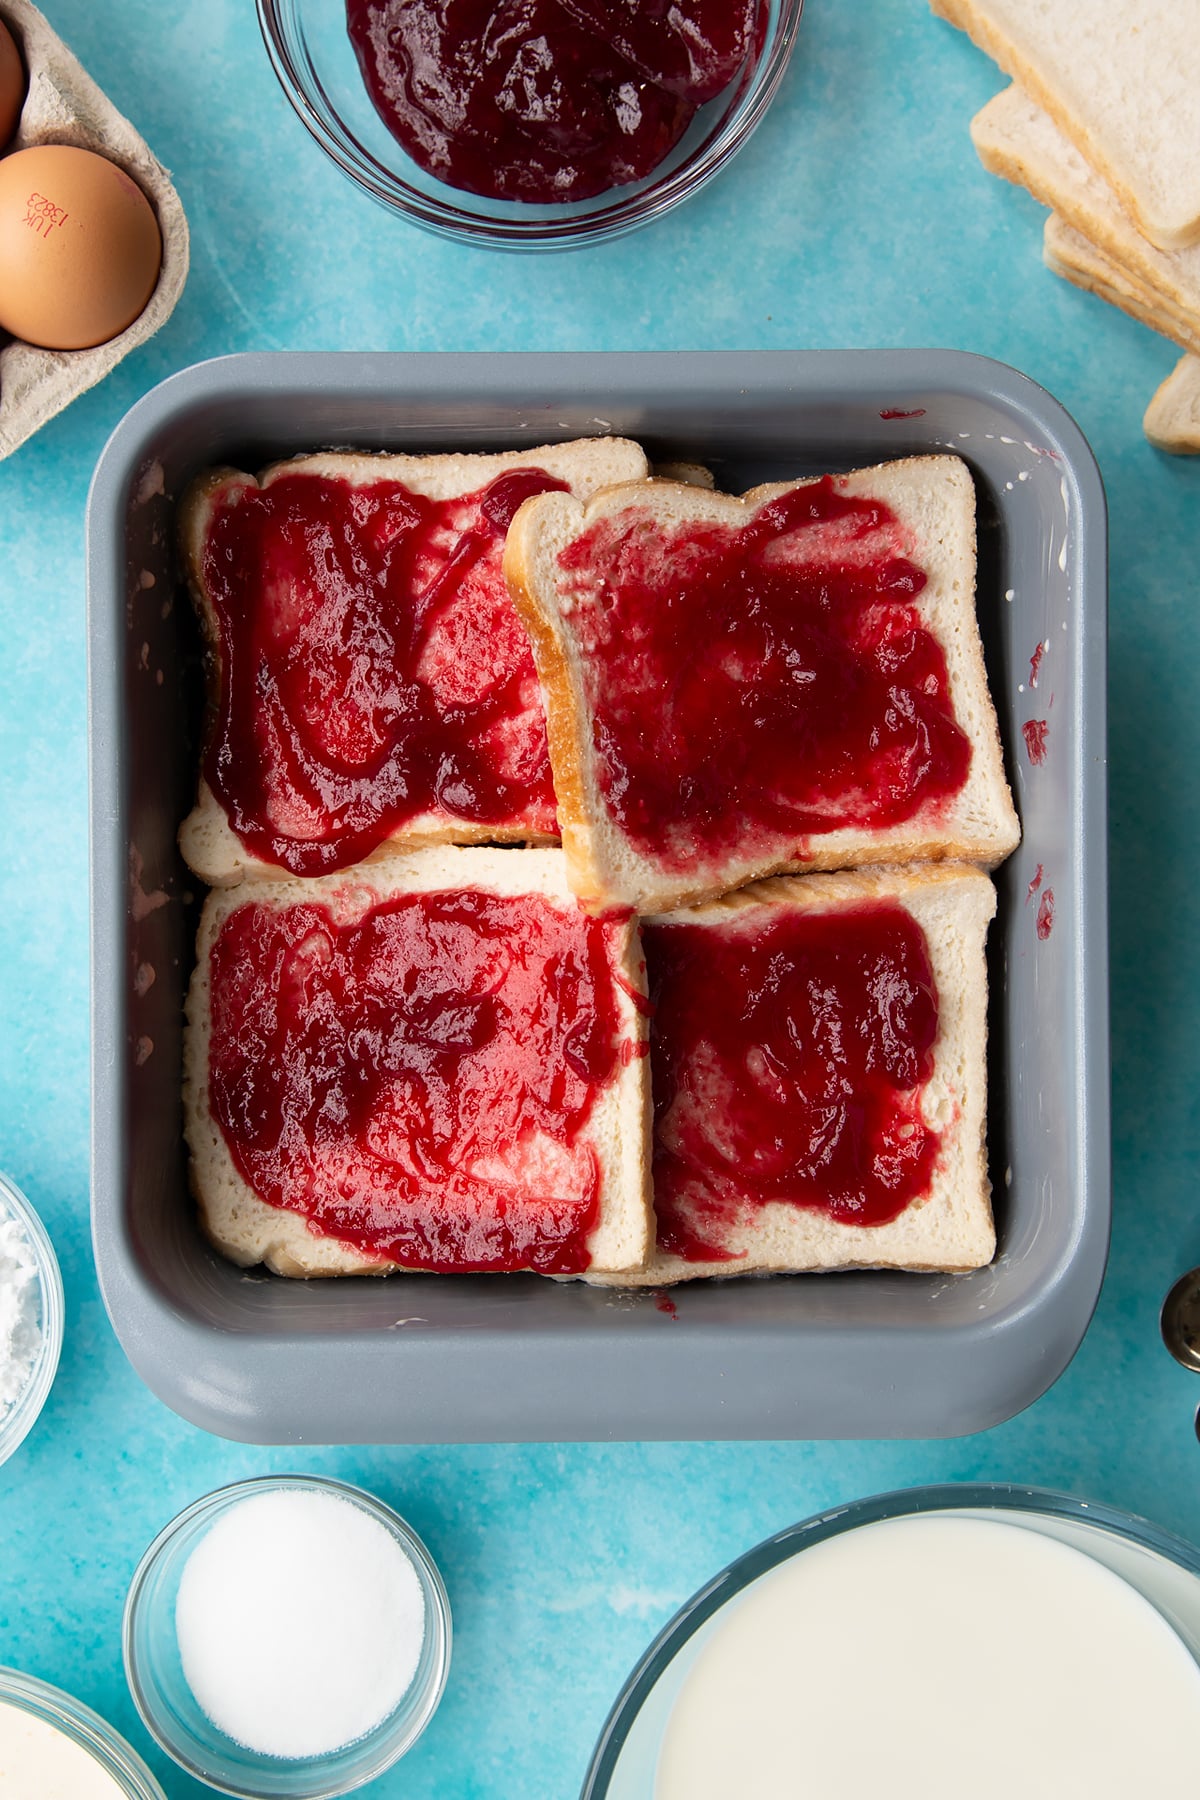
(1122, 79)
(1068, 253)
(209, 845)
(248, 1230)
(933, 500)
(1172, 420)
(951, 1227)
(1017, 140)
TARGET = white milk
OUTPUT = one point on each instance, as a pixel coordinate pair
(40, 1762)
(936, 1658)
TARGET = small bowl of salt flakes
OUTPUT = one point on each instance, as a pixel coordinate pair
(31, 1317)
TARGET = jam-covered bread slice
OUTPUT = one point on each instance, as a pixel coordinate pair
(818, 1070)
(434, 1062)
(736, 687)
(369, 683)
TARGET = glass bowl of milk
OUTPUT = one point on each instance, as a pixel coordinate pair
(935, 1642)
(51, 1744)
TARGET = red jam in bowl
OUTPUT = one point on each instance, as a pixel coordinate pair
(372, 667)
(788, 1055)
(418, 1083)
(753, 686)
(546, 100)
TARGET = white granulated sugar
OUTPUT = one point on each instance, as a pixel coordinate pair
(20, 1311)
(300, 1621)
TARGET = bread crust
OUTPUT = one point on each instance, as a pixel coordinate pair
(980, 826)
(209, 845)
(247, 1230)
(951, 1229)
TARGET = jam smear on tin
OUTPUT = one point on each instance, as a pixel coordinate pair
(372, 667)
(1045, 914)
(1035, 732)
(788, 1057)
(417, 1083)
(751, 686)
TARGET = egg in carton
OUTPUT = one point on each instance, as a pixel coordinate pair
(63, 105)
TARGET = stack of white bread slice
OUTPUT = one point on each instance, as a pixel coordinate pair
(475, 1057)
(1102, 126)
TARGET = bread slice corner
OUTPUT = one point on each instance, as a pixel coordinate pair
(1069, 254)
(1172, 420)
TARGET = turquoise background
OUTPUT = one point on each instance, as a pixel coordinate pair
(857, 216)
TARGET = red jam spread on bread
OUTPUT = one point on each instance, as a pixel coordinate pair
(418, 1083)
(546, 100)
(753, 685)
(372, 668)
(788, 1055)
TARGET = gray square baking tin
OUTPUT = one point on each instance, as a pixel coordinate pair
(437, 1359)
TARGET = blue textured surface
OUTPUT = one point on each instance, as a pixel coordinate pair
(857, 216)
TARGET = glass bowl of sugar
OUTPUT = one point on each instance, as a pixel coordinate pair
(287, 1636)
(31, 1317)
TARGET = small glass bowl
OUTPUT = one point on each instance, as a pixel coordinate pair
(311, 53)
(83, 1727)
(173, 1716)
(19, 1420)
(1164, 1569)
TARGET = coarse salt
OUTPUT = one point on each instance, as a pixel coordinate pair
(20, 1311)
(300, 1620)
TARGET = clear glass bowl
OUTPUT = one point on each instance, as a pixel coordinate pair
(311, 52)
(170, 1710)
(83, 1727)
(18, 1421)
(1163, 1568)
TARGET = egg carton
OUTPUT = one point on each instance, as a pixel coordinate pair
(63, 105)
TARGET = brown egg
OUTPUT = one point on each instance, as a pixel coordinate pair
(80, 247)
(12, 84)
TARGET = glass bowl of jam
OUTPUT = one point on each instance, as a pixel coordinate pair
(530, 124)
